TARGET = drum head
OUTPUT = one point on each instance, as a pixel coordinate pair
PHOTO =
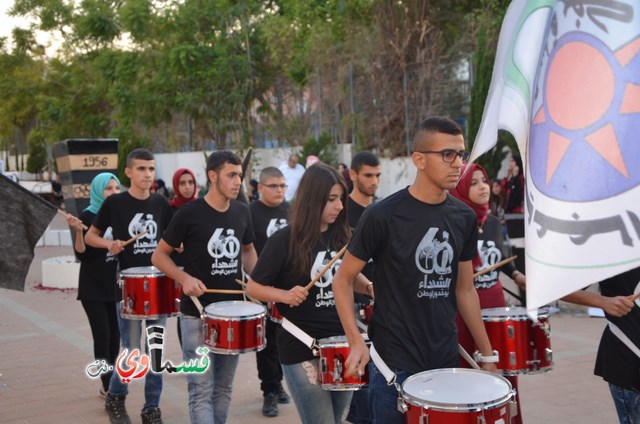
(233, 309)
(456, 389)
(139, 271)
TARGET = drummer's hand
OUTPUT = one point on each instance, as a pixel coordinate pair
(191, 286)
(116, 246)
(74, 222)
(617, 306)
(295, 296)
(520, 280)
(180, 248)
(358, 359)
(489, 366)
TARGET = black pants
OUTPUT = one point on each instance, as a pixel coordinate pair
(268, 361)
(105, 332)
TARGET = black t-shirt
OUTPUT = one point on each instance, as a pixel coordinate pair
(616, 363)
(267, 220)
(212, 242)
(128, 217)
(491, 250)
(317, 315)
(98, 269)
(354, 212)
(415, 248)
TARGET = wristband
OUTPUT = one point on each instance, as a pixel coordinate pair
(477, 356)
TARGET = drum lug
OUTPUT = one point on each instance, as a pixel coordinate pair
(177, 304)
(230, 334)
(482, 419)
(512, 358)
(510, 331)
(130, 303)
(323, 365)
(548, 355)
(513, 408)
(401, 405)
(214, 336)
(337, 370)
(146, 307)
(146, 285)
(424, 419)
(260, 332)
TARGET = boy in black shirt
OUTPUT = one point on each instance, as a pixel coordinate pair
(129, 214)
(422, 242)
(217, 236)
(269, 214)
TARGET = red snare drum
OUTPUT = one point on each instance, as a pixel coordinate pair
(274, 313)
(234, 327)
(333, 352)
(148, 294)
(365, 313)
(523, 346)
(457, 396)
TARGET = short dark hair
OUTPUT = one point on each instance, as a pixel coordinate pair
(140, 154)
(364, 158)
(437, 124)
(218, 158)
(270, 172)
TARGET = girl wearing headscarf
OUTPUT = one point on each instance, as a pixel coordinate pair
(184, 187)
(474, 190)
(97, 279)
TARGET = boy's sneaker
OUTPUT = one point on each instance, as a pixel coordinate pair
(151, 416)
(114, 405)
(283, 397)
(270, 405)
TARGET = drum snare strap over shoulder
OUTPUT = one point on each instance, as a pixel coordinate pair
(196, 302)
(299, 334)
(623, 338)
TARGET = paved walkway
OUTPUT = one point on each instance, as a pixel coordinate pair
(45, 346)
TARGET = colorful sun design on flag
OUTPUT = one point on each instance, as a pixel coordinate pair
(585, 138)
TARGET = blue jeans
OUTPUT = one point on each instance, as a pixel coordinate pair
(209, 392)
(627, 404)
(130, 332)
(315, 405)
(383, 399)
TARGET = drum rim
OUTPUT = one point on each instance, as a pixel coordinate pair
(342, 340)
(256, 315)
(543, 313)
(152, 271)
(441, 406)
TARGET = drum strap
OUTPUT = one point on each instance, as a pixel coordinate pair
(623, 338)
(389, 375)
(196, 302)
(299, 334)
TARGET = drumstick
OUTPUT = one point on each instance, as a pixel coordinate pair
(134, 238)
(492, 267)
(242, 283)
(467, 357)
(326, 267)
(224, 291)
(65, 214)
(634, 297)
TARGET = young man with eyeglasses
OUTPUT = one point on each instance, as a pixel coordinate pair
(422, 242)
(269, 214)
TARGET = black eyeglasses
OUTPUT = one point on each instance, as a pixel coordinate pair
(275, 186)
(449, 155)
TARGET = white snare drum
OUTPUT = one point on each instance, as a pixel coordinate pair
(457, 396)
(148, 294)
(333, 352)
(235, 327)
